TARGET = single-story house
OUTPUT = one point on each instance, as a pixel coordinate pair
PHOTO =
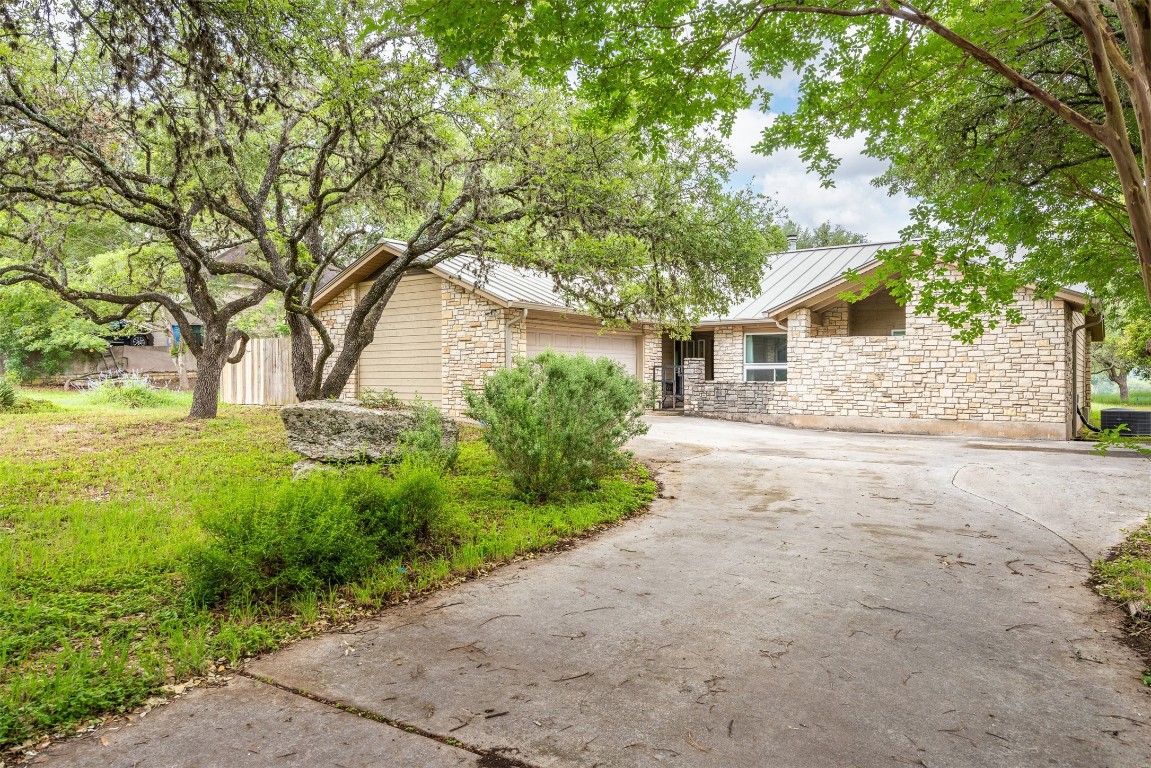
(795, 354)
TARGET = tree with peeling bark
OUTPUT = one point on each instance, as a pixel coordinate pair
(873, 67)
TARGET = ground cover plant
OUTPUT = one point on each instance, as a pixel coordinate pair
(1125, 577)
(11, 402)
(99, 527)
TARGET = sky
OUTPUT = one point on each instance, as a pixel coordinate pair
(852, 202)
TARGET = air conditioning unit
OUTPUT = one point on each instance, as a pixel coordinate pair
(1138, 422)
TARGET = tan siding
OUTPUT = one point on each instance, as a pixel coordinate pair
(406, 353)
(877, 315)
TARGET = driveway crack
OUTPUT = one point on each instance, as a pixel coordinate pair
(1001, 505)
(496, 757)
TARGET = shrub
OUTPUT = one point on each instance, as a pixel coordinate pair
(558, 422)
(426, 439)
(25, 405)
(379, 398)
(7, 392)
(132, 391)
(326, 529)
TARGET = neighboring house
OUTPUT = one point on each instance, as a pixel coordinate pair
(795, 354)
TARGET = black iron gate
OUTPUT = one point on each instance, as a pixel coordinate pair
(669, 386)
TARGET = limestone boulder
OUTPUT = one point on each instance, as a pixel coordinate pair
(331, 431)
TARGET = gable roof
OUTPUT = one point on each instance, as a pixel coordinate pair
(791, 279)
(793, 274)
(504, 284)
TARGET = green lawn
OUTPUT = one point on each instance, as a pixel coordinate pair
(97, 520)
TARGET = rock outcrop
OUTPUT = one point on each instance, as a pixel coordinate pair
(331, 431)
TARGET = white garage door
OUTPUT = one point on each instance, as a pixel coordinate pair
(614, 346)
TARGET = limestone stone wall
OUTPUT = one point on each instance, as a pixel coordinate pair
(830, 322)
(728, 362)
(473, 342)
(652, 352)
(736, 400)
(1014, 381)
(334, 315)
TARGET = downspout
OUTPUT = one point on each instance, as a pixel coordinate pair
(508, 335)
(1085, 418)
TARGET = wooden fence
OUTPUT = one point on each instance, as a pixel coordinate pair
(262, 377)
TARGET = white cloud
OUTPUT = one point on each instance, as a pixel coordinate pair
(853, 202)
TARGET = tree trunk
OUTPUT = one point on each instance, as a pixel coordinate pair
(209, 367)
(303, 360)
(182, 368)
(206, 393)
(342, 369)
(1118, 377)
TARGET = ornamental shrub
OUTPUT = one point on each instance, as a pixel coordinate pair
(558, 422)
(379, 398)
(325, 529)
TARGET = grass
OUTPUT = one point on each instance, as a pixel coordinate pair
(97, 521)
(1125, 577)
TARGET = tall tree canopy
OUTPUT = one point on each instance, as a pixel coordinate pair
(822, 235)
(1072, 77)
(1127, 349)
(261, 174)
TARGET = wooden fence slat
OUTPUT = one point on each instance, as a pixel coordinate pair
(262, 377)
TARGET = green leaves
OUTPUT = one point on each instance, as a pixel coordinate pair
(984, 110)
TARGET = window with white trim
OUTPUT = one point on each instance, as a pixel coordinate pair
(765, 357)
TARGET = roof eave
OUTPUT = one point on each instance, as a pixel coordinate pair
(819, 294)
(361, 267)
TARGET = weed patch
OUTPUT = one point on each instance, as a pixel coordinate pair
(1125, 577)
(132, 392)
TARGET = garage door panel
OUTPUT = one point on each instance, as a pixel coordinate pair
(623, 348)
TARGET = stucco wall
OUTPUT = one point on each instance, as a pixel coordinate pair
(1014, 381)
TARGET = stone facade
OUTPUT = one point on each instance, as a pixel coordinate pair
(728, 345)
(334, 315)
(1015, 381)
(831, 322)
(473, 342)
(735, 400)
(652, 351)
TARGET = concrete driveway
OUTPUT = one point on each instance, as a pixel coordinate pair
(794, 599)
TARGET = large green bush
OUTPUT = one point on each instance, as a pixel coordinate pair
(558, 422)
(323, 530)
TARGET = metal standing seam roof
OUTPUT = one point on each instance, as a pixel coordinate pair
(788, 275)
(792, 274)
